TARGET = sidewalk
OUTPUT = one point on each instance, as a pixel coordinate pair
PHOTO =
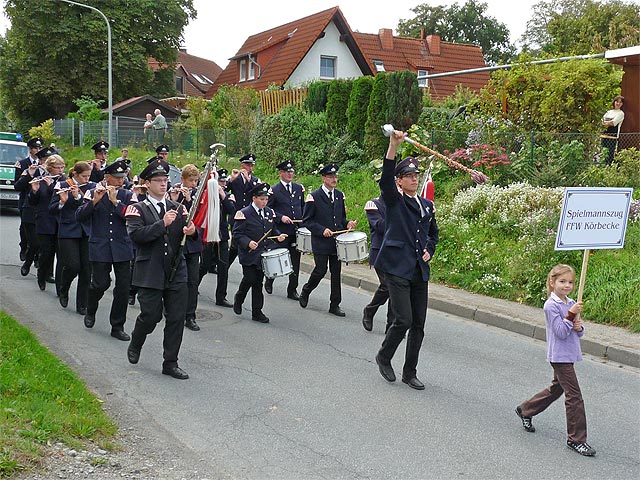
(612, 343)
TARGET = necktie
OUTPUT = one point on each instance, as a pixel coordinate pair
(162, 211)
(289, 188)
(331, 196)
(261, 214)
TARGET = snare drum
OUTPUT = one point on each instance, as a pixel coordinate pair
(303, 240)
(276, 263)
(352, 246)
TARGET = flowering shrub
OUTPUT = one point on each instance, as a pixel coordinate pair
(482, 156)
(634, 211)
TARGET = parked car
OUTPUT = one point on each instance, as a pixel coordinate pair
(12, 149)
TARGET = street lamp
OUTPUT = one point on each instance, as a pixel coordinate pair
(110, 88)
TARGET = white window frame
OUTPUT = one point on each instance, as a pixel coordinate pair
(252, 71)
(334, 60)
(379, 64)
(243, 70)
(423, 82)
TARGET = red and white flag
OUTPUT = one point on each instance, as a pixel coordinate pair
(207, 215)
(428, 188)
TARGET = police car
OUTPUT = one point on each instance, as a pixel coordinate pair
(12, 149)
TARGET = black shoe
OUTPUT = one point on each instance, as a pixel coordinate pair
(526, 421)
(133, 355)
(268, 285)
(191, 324)
(261, 317)
(293, 296)
(237, 307)
(367, 321)
(224, 303)
(386, 370)
(42, 285)
(175, 372)
(81, 310)
(413, 382)
(24, 269)
(120, 335)
(337, 311)
(64, 299)
(23, 255)
(89, 320)
(132, 299)
(582, 448)
(303, 300)
(51, 280)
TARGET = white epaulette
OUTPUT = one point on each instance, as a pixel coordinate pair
(239, 215)
(309, 198)
(370, 205)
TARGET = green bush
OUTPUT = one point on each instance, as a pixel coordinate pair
(316, 101)
(357, 109)
(337, 104)
(623, 172)
(292, 134)
(404, 99)
(375, 144)
(44, 131)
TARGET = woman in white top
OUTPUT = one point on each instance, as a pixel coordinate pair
(612, 120)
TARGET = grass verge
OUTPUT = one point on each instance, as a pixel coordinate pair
(42, 401)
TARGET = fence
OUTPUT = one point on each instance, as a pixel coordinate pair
(274, 100)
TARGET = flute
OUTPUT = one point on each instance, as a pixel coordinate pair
(66, 189)
(43, 177)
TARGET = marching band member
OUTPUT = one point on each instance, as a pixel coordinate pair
(109, 246)
(241, 183)
(99, 163)
(325, 214)
(46, 224)
(409, 242)
(183, 194)
(251, 226)
(376, 211)
(217, 254)
(157, 226)
(73, 236)
(287, 201)
(26, 170)
(27, 228)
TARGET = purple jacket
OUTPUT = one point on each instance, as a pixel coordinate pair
(563, 343)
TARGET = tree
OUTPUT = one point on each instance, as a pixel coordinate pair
(236, 108)
(404, 99)
(337, 103)
(357, 109)
(377, 115)
(462, 24)
(578, 27)
(55, 52)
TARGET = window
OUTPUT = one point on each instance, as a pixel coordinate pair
(379, 64)
(423, 82)
(327, 67)
(243, 70)
(252, 70)
(180, 84)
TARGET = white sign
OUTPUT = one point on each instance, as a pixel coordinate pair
(593, 218)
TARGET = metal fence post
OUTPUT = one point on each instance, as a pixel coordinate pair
(533, 140)
(81, 134)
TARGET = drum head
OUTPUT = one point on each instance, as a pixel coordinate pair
(275, 252)
(351, 237)
(304, 231)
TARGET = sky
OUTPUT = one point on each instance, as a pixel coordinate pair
(222, 27)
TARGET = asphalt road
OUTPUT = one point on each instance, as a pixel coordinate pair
(301, 397)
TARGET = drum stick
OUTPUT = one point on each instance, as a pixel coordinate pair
(276, 236)
(265, 235)
(296, 221)
(341, 231)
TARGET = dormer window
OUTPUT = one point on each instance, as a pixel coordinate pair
(252, 71)
(379, 64)
(423, 82)
(243, 70)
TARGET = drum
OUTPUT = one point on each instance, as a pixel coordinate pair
(352, 246)
(276, 263)
(303, 240)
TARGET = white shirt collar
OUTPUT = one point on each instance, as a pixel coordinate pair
(557, 299)
(156, 202)
(326, 190)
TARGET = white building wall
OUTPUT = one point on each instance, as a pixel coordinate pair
(331, 46)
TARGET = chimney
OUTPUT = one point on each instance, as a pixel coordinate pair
(433, 41)
(386, 38)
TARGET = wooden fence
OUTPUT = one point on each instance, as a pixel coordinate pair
(273, 100)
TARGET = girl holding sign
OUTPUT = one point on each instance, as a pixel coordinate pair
(564, 330)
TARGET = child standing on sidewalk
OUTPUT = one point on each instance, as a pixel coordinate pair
(564, 329)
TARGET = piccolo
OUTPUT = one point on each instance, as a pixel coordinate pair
(66, 189)
(43, 177)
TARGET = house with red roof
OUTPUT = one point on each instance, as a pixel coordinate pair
(322, 46)
(193, 75)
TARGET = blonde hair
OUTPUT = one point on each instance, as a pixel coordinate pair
(190, 171)
(557, 271)
(52, 161)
